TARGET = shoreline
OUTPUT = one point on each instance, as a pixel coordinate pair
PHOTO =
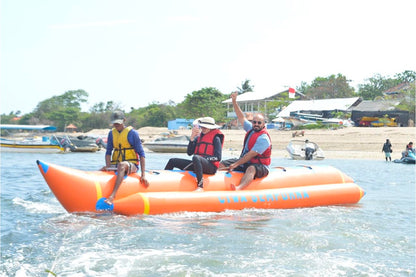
(345, 143)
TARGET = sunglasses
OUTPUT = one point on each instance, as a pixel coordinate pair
(257, 122)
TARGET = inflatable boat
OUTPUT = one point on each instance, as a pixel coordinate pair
(409, 159)
(171, 191)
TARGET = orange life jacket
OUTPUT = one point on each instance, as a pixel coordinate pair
(264, 158)
(205, 144)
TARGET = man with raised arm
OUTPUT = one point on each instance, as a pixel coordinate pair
(255, 157)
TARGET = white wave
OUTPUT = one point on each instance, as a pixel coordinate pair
(38, 207)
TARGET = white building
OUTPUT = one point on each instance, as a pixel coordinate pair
(251, 102)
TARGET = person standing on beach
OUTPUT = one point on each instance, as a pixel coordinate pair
(255, 157)
(124, 149)
(206, 147)
(387, 150)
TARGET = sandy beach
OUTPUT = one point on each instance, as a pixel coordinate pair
(345, 143)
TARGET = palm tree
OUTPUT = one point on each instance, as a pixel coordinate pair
(245, 87)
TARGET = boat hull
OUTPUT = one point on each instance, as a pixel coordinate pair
(173, 191)
(178, 144)
(30, 148)
(166, 148)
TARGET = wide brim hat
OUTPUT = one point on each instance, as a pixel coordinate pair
(206, 122)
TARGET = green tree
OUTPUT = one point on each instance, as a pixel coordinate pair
(375, 86)
(275, 106)
(59, 110)
(102, 107)
(94, 120)
(334, 86)
(302, 88)
(155, 114)
(9, 119)
(70, 99)
(204, 102)
(407, 76)
(408, 99)
(245, 87)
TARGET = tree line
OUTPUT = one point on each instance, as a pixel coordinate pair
(64, 109)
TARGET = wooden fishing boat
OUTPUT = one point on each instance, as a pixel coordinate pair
(31, 143)
(172, 191)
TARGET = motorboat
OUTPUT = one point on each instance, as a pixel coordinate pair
(80, 143)
(169, 144)
(298, 150)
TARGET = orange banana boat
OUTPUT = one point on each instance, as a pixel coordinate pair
(173, 190)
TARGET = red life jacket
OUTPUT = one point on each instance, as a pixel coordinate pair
(205, 144)
(264, 158)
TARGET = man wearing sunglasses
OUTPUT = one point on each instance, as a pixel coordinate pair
(255, 157)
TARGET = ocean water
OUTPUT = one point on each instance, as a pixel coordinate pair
(375, 237)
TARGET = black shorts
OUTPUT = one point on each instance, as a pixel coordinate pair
(261, 169)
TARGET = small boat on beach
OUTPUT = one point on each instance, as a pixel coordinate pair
(80, 143)
(169, 144)
(33, 145)
(171, 191)
(298, 151)
(30, 143)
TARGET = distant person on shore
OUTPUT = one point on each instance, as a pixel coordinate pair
(387, 150)
(206, 147)
(309, 149)
(255, 157)
(124, 149)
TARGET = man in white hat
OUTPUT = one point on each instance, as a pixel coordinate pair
(124, 149)
(206, 147)
(255, 157)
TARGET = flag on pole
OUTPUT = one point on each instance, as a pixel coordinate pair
(291, 93)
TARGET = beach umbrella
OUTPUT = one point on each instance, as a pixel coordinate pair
(71, 127)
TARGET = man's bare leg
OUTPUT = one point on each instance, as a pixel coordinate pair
(121, 172)
(248, 177)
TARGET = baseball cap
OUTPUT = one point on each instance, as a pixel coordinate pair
(117, 117)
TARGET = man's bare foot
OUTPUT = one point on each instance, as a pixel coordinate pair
(234, 187)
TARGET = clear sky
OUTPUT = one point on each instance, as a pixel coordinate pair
(136, 52)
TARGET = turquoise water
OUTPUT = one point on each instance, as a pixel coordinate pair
(373, 238)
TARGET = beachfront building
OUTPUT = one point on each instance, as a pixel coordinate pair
(380, 113)
(180, 123)
(252, 102)
(301, 112)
